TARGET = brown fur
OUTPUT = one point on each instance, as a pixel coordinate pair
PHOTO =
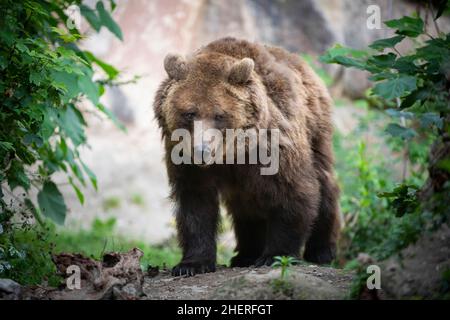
(273, 215)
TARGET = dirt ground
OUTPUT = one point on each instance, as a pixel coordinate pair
(118, 276)
(302, 282)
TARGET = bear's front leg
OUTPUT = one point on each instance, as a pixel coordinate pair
(285, 235)
(197, 219)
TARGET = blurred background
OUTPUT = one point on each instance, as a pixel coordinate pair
(131, 202)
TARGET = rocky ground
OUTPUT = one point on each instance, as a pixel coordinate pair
(119, 276)
(301, 282)
(418, 272)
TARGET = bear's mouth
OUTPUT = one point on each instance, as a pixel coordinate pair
(207, 161)
(203, 165)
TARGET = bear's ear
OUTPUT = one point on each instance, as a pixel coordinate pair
(176, 66)
(240, 72)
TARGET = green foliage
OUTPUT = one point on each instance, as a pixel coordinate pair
(404, 199)
(51, 202)
(359, 281)
(367, 218)
(372, 224)
(45, 76)
(417, 79)
(107, 21)
(413, 91)
(26, 256)
(101, 238)
(406, 26)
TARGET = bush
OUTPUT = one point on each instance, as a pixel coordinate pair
(45, 77)
(384, 215)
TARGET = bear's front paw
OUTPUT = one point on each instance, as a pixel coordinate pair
(242, 261)
(192, 268)
(264, 260)
(323, 255)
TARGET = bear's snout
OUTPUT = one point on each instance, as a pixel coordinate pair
(203, 152)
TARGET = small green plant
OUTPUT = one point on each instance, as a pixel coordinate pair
(359, 281)
(284, 262)
(111, 203)
(137, 200)
(281, 284)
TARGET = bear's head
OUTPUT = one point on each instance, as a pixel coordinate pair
(210, 92)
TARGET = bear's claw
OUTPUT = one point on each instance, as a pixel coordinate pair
(242, 261)
(264, 261)
(319, 255)
(190, 269)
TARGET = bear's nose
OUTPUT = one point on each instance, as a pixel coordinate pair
(202, 151)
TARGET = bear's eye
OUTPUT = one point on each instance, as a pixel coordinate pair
(219, 117)
(189, 115)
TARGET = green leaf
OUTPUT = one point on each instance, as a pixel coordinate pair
(108, 21)
(111, 116)
(51, 202)
(442, 6)
(37, 77)
(400, 114)
(397, 130)
(89, 88)
(429, 119)
(350, 62)
(67, 82)
(65, 35)
(416, 96)
(406, 65)
(109, 69)
(113, 5)
(71, 122)
(6, 146)
(394, 88)
(90, 174)
(383, 60)
(406, 26)
(29, 139)
(91, 17)
(444, 164)
(345, 56)
(77, 190)
(17, 177)
(386, 43)
(404, 199)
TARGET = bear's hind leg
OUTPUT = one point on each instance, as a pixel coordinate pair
(321, 245)
(250, 234)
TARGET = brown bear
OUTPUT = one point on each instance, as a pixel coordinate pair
(236, 84)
